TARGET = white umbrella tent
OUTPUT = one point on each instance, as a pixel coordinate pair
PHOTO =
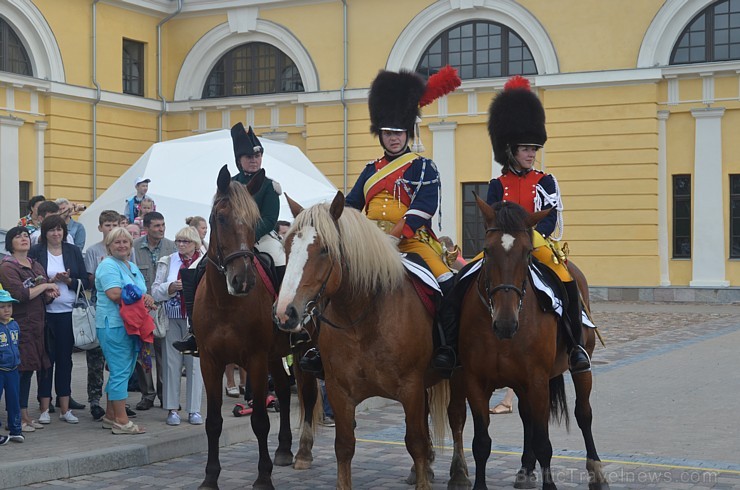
(183, 176)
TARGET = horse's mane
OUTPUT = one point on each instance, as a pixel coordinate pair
(373, 263)
(510, 217)
(243, 207)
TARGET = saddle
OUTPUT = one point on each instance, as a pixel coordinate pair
(423, 280)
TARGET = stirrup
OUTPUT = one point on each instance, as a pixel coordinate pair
(582, 369)
(299, 338)
(311, 362)
(444, 361)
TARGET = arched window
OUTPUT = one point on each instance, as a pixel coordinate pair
(478, 50)
(13, 56)
(713, 35)
(252, 69)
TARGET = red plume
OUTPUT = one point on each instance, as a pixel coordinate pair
(441, 83)
(517, 82)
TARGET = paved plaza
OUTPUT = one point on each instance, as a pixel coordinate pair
(665, 416)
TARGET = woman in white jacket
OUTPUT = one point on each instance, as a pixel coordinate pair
(167, 289)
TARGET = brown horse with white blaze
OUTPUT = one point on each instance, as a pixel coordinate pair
(376, 337)
(506, 339)
(232, 320)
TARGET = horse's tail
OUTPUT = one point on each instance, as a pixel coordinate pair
(318, 407)
(439, 399)
(559, 402)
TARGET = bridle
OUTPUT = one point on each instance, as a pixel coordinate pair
(490, 291)
(220, 261)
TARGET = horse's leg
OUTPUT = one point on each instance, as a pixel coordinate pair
(456, 414)
(283, 453)
(417, 431)
(478, 402)
(260, 420)
(411, 479)
(308, 396)
(525, 477)
(344, 440)
(583, 384)
(538, 401)
(212, 373)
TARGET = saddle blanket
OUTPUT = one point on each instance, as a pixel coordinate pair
(424, 281)
(539, 282)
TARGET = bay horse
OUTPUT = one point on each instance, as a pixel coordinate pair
(506, 339)
(376, 337)
(232, 320)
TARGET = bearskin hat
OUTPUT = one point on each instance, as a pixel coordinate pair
(516, 117)
(394, 101)
(245, 142)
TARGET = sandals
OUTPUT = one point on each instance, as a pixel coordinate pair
(107, 423)
(130, 428)
(501, 409)
(232, 391)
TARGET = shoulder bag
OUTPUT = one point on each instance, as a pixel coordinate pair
(83, 321)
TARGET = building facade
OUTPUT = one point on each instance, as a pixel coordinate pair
(642, 102)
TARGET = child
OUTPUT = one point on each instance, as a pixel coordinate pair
(10, 358)
(147, 206)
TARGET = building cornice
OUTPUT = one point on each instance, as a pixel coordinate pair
(166, 7)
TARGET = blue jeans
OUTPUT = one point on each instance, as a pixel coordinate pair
(328, 412)
(10, 385)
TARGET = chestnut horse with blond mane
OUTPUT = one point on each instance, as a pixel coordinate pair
(376, 337)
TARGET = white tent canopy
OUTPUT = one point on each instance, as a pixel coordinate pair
(183, 176)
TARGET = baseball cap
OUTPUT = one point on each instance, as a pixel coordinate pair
(142, 180)
(5, 297)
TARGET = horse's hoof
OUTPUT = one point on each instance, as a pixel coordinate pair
(598, 485)
(411, 479)
(263, 484)
(302, 464)
(283, 459)
(459, 483)
(208, 486)
(525, 480)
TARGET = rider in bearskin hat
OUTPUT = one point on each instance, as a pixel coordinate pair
(400, 191)
(516, 126)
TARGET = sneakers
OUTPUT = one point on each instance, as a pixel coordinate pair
(68, 417)
(130, 413)
(16, 438)
(27, 427)
(173, 418)
(328, 421)
(45, 418)
(97, 412)
(4, 440)
(195, 418)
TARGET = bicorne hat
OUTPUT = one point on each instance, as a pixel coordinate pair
(516, 117)
(245, 142)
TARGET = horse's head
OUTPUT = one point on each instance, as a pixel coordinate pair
(314, 270)
(233, 219)
(507, 254)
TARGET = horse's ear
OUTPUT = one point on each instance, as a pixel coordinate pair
(337, 206)
(535, 218)
(256, 183)
(488, 213)
(224, 179)
(295, 208)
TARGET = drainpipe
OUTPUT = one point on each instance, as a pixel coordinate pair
(342, 91)
(159, 68)
(96, 101)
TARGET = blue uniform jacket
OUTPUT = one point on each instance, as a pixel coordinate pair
(419, 190)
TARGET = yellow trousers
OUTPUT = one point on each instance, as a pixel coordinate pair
(544, 253)
(427, 254)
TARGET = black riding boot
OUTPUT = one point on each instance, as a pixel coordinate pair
(188, 345)
(579, 360)
(445, 358)
(311, 363)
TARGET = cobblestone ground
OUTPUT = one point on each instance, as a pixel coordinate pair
(381, 460)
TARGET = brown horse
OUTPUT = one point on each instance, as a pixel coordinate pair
(376, 337)
(232, 319)
(506, 339)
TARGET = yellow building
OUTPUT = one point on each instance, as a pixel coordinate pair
(642, 101)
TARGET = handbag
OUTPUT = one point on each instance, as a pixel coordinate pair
(83, 321)
(161, 321)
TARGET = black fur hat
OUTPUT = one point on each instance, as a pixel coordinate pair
(516, 117)
(394, 101)
(245, 142)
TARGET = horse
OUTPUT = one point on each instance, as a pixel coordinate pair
(232, 320)
(376, 337)
(520, 348)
